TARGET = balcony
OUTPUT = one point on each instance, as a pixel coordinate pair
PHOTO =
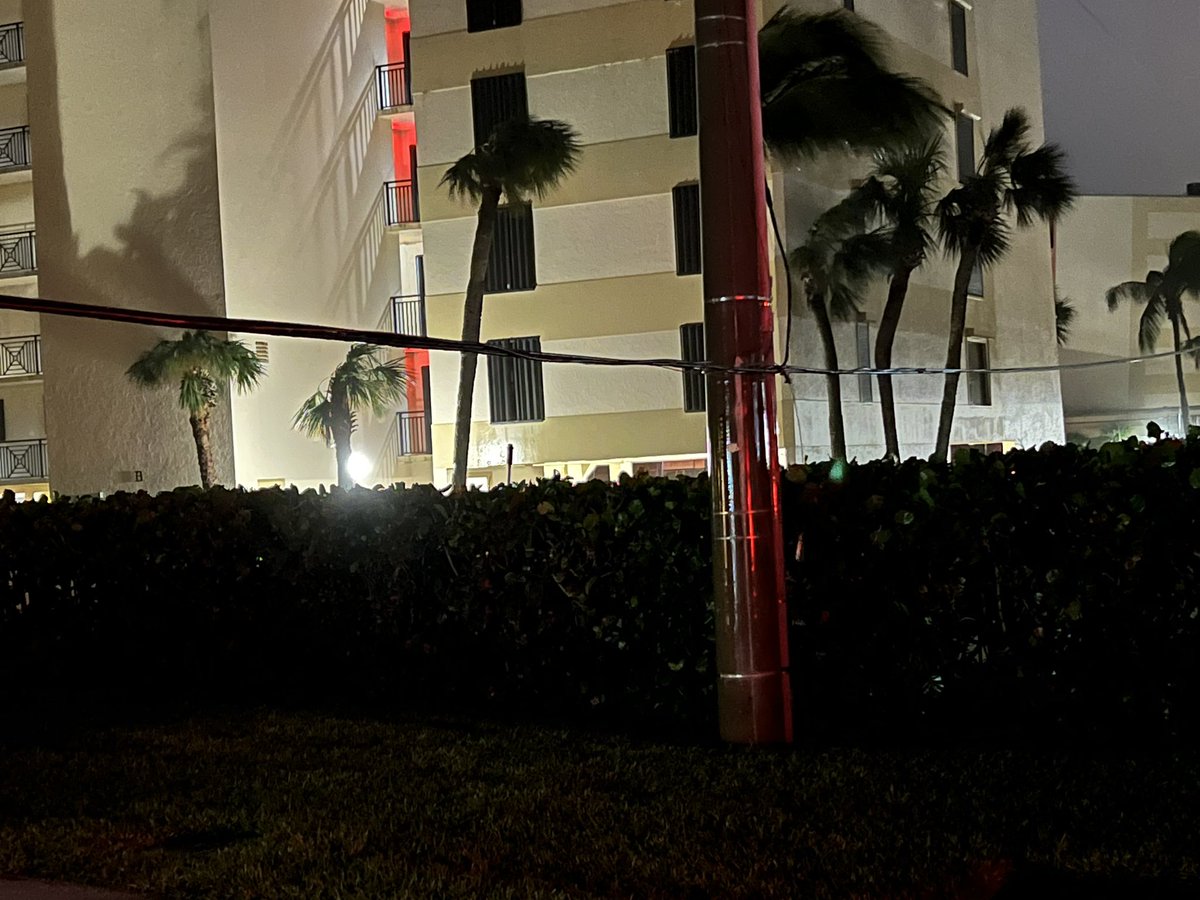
(18, 252)
(401, 205)
(12, 45)
(20, 357)
(393, 89)
(413, 433)
(23, 461)
(14, 149)
(408, 315)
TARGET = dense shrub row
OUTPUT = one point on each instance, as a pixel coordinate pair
(1042, 590)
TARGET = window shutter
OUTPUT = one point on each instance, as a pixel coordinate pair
(515, 392)
(862, 341)
(979, 385)
(484, 15)
(965, 145)
(512, 265)
(496, 99)
(686, 200)
(958, 37)
(681, 91)
(691, 343)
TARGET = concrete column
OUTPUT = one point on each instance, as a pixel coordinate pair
(126, 201)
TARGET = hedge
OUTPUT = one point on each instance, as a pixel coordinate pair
(1043, 591)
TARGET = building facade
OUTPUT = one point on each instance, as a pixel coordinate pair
(292, 172)
(1107, 241)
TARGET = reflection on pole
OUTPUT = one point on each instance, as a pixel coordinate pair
(753, 691)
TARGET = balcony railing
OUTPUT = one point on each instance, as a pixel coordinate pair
(413, 431)
(14, 148)
(23, 461)
(20, 356)
(408, 315)
(12, 44)
(392, 85)
(18, 253)
(401, 202)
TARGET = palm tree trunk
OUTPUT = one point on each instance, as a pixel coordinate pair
(1185, 418)
(199, 421)
(958, 328)
(833, 383)
(481, 252)
(889, 324)
(343, 429)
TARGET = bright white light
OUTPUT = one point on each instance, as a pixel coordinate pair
(359, 466)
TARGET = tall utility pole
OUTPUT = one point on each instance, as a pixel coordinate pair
(754, 695)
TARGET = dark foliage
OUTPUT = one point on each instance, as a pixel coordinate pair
(1049, 592)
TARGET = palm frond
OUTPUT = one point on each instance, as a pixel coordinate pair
(198, 356)
(1138, 292)
(826, 84)
(1040, 185)
(1064, 317)
(1150, 326)
(1184, 263)
(463, 180)
(532, 156)
(1006, 141)
(315, 418)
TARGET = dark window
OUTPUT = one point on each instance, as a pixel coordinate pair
(691, 342)
(979, 386)
(958, 36)
(686, 199)
(496, 99)
(515, 384)
(862, 342)
(975, 285)
(484, 15)
(965, 145)
(2, 425)
(511, 266)
(848, 4)
(681, 90)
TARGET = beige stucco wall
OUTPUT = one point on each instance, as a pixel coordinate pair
(303, 157)
(127, 213)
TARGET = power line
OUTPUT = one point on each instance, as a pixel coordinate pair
(423, 342)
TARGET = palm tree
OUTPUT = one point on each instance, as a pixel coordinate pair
(826, 86)
(841, 256)
(522, 156)
(1162, 294)
(359, 383)
(904, 182)
(1012, 178)
(202, 363)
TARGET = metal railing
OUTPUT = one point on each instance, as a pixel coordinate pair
(408, 315)
(23, 461)
(400, 202)
(18, 252)
(14, 148)
(12, 44)
(392, 85)
(20, 356)
(413, 433)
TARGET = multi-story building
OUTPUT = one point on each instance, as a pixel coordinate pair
(609, 263)
(261, 160)
(1107, 241)
(23, 465)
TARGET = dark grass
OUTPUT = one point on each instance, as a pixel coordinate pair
(270, 804)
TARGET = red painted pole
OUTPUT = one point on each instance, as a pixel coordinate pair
(754, 696)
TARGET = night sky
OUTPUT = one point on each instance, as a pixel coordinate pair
(1121, 80)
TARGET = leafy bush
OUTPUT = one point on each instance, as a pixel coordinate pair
(1050, 590)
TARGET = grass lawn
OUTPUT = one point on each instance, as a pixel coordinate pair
(265, 804)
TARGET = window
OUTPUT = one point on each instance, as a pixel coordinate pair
(965, 449)
(691, 343)
(686, 199)
(496, 99)
(3, 436)
(511, 266)
(979, 385)
(862, 340)
(964, 142)
(958, 36)
(515, 384)
(848, 4)
(975, 285)
(484, 15)
(681, 91)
